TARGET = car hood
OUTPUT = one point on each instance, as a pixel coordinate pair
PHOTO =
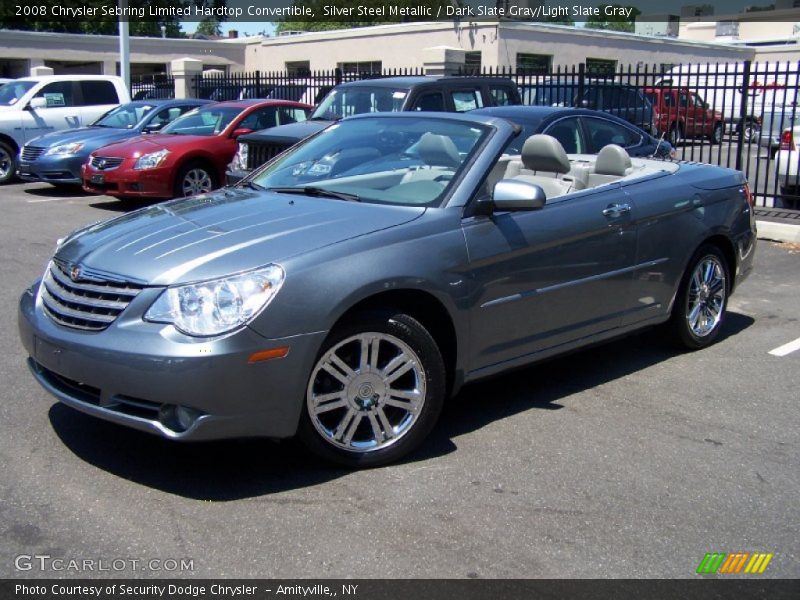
(226, 232)
(293, 132)
(83, 134)
(144, 144)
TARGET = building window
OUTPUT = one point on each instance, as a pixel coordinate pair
(366, 66)
(472, 63)
(298, 68)
(728, 29)
(600, 67)
(534, 64)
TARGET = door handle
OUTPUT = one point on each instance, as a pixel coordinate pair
(616, 210)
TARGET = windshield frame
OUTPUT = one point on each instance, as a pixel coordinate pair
(331, 96)
(487, 132)
(119, 108)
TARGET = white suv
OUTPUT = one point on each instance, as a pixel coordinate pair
(33, 106)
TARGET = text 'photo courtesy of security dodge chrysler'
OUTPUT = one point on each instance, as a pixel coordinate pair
(341, 292)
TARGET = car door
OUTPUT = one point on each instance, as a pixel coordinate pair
(686, 109)
(546, 277)
(60, 113)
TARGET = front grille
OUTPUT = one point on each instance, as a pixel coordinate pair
(258, 154)
(105, 163)
(30, 153)
(90, 303)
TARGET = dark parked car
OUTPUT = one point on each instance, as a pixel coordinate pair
(624, 101)
(57, 157)
(579, 131)
(345, 300)
(391, 94)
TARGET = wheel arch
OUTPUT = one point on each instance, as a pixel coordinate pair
(201, 159)
(728, 250)
(9, 141)
(429, 311)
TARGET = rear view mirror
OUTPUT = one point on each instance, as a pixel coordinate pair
(512, 195)
(36, 103)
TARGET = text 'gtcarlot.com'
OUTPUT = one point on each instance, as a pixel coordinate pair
(45, 562)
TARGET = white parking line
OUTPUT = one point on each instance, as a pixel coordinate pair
(46, 200)
(786, 348)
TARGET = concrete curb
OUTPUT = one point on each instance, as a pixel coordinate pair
(778, 232)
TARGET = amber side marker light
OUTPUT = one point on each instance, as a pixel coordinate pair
(263, 355)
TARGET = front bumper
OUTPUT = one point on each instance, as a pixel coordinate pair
(135, 373)
(125, 182)
(52, 169)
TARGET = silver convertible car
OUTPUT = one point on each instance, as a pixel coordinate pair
(345, 289)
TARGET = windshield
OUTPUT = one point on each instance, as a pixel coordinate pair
(346, 102)
(549, 94)
(123, 117)
(11, 92)
(203, 121)
(384, 160)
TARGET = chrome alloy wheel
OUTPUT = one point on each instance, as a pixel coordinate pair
(366, 392)
(706, 297)
(196, 181)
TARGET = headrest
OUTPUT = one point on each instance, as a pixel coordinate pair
(438, 150)
(544, 153)
(612, 160)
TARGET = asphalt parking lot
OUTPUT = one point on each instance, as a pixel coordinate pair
(627, 460)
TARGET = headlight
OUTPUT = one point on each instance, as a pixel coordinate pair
(239, 161)
(152, 160)
(215, 307)
(64, 149)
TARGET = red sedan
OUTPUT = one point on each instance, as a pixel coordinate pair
(188, 156)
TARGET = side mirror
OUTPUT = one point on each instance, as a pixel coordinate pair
(37, 103)
(241, 131)
(152, 127)
(514, 195)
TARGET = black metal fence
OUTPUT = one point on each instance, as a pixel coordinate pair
(309, 87)
(728, 114)
(152, 87)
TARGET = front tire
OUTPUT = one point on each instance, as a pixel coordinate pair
(701, 301)
(8, 163)
(675, 135)
(716, 134)
(375, 392)
(194, 178)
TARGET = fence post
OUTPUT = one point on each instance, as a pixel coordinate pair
(187, 72)
(337, 74)
(743, 115)
(258, 84)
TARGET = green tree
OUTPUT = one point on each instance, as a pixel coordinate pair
(99, 24)
(209, 27)
(616, 22)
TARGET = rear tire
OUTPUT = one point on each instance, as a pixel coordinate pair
(375, 391)
(716, 134)
(702, 298)
(675, 135)
(8, 163)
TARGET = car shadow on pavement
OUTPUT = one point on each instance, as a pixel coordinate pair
(51, 191)
(116, 205)
(237, 469)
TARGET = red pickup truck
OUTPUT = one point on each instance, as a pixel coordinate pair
(680, 113)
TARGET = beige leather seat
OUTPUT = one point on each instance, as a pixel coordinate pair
(612, 163)
(544, 163)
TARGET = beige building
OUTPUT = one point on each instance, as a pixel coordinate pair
(497, 45)
(99, 54)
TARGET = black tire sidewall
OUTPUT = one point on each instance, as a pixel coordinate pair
(715, 137)
(12, 173)
(682, 334)
(413, 333)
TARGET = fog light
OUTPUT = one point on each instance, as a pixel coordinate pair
(185, 417)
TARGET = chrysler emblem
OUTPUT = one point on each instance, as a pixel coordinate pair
(75, 273)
